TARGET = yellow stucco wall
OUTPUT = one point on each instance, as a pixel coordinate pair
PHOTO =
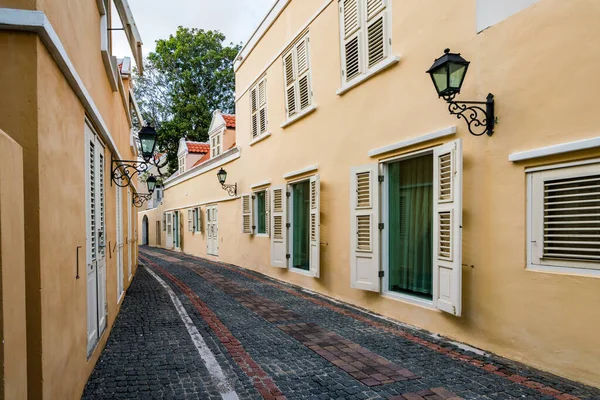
(541, 68)
(42, 113)
(13, 345)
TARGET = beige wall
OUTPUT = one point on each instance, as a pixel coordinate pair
(42, 113)
(13, 345)
(542, 75)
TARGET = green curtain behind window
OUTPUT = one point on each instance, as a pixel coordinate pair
(260, 212)
(300, 225)
(410, 226)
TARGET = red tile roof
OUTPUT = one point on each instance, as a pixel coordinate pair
(198, 147)
(205, 157)
(229, 120)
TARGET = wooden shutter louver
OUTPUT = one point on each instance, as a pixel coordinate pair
(447, 227)
(92, 177)
(190, 220)
(315, 226)
(247, 214)
(351, 17)
(376, 41)
(254, 109)
(297, 77)
(279, 230)
(101, 200)
(302, 56)
(352, 56)
(267, 212)
(364, 237)
(304, 91)
(571, 218)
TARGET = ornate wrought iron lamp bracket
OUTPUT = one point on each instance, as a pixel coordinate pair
(231, 189)
(139, 199)
(123, 171)
(480, 120)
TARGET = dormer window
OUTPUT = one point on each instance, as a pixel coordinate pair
(216, 145)
(181, 164)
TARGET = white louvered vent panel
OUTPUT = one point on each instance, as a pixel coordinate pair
(277, 200)
(255, 125)
(291, 99)
(445, 176)
(352, 59)
(572, 218)
(363, 231)
(302, 56)
(289, 69)
(267, 212)
(263, 120)
(304, 90)
(313, 194)
(351, 17)
(254, 100)
(246, 204)
(376, 46)
(101, 194)
(373, 7)
(313, 227)
(445, 235)
(262, 93)
(363, 190)
(92, 217)
(278, 227)
(247, 223)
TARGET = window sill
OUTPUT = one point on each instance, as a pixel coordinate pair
(260, 138)
(571, 271)
(261, 235)
(414, 301)
(390, 62)
(301, 272)
(299, 116)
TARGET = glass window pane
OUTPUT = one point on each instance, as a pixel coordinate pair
(300, 225)
(411, 226)
(260, 212)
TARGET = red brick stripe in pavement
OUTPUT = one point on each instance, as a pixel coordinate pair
(261, 380)
(489, 367)
(362, 364)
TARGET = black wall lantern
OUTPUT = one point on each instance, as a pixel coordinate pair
(448, 74)
(222, 176)
(139, 199)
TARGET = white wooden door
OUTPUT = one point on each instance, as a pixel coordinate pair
(129, 233)
(119, 243)
(169, 223)
(212, 229)
(95, 238)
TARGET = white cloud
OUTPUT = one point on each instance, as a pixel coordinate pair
(157, 19)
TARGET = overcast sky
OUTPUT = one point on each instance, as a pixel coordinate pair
(157, 19)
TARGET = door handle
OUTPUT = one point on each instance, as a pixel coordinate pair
(77, 270)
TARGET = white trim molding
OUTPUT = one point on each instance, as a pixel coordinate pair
(555, 149)
(260, 184)
(203, 203)
(390, 62)
(224, 158)
(132, 33)
(306, 170)
(411, 142)
(259, 138)
(37, 22)
(563, 165)
(299, 116)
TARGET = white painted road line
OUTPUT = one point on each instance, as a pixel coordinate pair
(213, 367)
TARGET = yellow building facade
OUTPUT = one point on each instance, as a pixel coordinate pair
(354, 181)
(69, 235)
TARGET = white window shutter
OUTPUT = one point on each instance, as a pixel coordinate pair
(278, 228)
(290, 74)
(377, 39)
(315, 225)
(447, 227)
(190, 221)
(350, 27)
(254, 113)
(247, 214)
(364, 230)
(267, 212)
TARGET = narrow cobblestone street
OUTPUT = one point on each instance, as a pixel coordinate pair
(191, 328)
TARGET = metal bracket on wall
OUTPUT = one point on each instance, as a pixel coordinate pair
(77, 263)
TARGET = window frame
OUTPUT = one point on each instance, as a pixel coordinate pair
(256, 88)
(181, 160)
(384, 238)
(216, 144)
(255, 212)
(535, 210)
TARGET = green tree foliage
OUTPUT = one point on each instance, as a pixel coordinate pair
(186, 78)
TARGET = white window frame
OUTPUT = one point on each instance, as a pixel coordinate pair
(255, 212)
(216, 144)
(197, 220)
(182, 164)
(365, 72)
(535, 261)
(261, 134)
(110, 62)
(299, 112)
(384, 238)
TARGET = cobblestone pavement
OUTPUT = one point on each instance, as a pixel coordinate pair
(275, 341)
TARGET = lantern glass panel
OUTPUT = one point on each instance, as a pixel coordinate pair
(148, 143)
(457, 75)
(440, 79)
